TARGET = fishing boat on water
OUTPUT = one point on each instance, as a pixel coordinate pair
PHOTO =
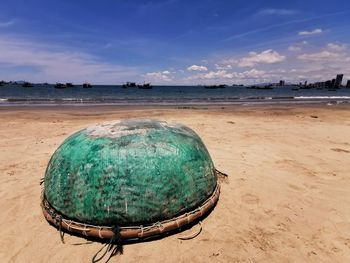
(265, 87)
(221, 86)
(145, 86)
(60, 86)
(87, 85)
(27, 85)
(129, 85)
(260, 87)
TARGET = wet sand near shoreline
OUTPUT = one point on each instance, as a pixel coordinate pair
(286, 198)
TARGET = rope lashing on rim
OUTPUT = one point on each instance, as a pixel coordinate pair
(194, 234)
(84, 228)
(129, 232)
(58, 219)
(144, 229)
(114, 246)
(221, 174)
(117, 234)
(60, 228)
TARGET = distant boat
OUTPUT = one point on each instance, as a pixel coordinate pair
(60, 86)
(260, 87)
(145, 86)
(305, 87)
(265, 87)
(221, 86)
(87, 85)
(69, 85)
(27, 85)
(129, 85)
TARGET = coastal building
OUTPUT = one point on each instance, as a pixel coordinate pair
(338, 80)
(282, 82)
(333, 84)
(348, 84)
(319, 85)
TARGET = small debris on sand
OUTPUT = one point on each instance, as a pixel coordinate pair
(340, 150)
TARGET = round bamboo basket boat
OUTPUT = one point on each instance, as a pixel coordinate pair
(134, 179)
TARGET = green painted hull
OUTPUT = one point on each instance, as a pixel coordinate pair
(129, 173)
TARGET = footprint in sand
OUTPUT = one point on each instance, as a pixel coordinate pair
(295, 165)
(294, 187)
(250, 199)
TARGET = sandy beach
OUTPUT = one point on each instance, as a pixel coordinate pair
(286, 199)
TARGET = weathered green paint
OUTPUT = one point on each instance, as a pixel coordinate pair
(129, 172)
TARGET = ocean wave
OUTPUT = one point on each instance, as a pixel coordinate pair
(171, 101)
(324, 97)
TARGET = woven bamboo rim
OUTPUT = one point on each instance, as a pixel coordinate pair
(130, 232)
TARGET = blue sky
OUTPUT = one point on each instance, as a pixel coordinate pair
(173, 41)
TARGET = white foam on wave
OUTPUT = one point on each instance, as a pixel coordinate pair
(71, 99)
(323, 97)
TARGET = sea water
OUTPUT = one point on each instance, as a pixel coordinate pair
(164, 95)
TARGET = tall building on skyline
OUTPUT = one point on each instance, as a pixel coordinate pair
(338, 80)
(333, 84)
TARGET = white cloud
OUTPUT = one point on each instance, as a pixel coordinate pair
(297, 46)
(158, 76)
(336, 47)
(48, 63)
(320, 56)
(220, 67)
(7, 23)
(220, 74)
(294, 48)
(197, 68)
(228, 63)
(166, 72)
(276, 11)
(253, 74)
(266, 57)
(312, 32)
(316, 65)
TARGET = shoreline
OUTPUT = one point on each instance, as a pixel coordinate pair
(101, 107)
(172, 103)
